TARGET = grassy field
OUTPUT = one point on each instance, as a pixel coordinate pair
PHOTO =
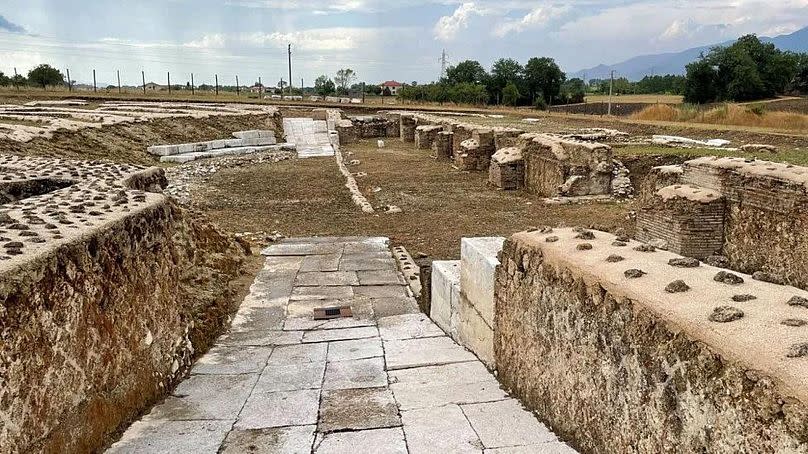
(642, 99)
(747, 115)
(792, 156)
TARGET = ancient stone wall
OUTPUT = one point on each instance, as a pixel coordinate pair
(556, 166)
(106, 294)
(621, 349)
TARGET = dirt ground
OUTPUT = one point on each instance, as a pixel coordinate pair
(439, 204)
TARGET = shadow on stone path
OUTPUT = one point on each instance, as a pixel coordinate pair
(387, 380)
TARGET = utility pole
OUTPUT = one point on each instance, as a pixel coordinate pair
(15, 80)
(238, 92)
(168, 79)
(290, 69)
(94, 84)
(69, 82)
(611, 85)
(443, 64)
(143, 76)
(260, 88)
(217, 84)
(193, 90)
(118, 72)
(363, 92)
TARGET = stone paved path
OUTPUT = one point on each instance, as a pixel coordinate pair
(309, 136)
(386, 381)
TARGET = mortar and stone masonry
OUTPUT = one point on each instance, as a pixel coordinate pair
(107, 291)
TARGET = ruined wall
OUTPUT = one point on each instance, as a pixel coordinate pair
(555, 166)
(103, 310)
(614, 362)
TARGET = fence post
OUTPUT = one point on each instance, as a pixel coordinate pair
(193, 91)
(15, 80)
(217, 84)
(237, 87)
(69, 82)
(168, 77)
(95, 89)
(118, 72)
(143, 75)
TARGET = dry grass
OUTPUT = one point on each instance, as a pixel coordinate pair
(750, 115)
(788, 156)
(629, 99)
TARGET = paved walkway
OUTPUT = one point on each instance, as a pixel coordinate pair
(385, 381)
(309, 136)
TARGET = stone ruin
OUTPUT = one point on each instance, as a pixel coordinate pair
(106, 289)
(748, 213)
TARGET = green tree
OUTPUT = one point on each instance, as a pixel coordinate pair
(510, 94)
(467, 93)
(324, 86)
(543, 79)
(4, 80)
(573, 91)
(345, 77)
(700, 82)
(466, 72)
(44, 75)
(800, 82)
(503, 71)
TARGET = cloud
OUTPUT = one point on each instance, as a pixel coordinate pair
(9, 26)
(318, 39)
(537, 17)
(688, 28)
(447, 27)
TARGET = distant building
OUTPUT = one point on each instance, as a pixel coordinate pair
(154, 87)
(392, 86)
(257, 88)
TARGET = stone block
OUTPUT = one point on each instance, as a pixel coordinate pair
(425, 136)
(445, 292)
(407, 124)
(507, 169)
(479, 262)
(443, 145)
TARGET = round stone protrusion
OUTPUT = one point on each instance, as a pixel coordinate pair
(677, 286)
(551, 239)
(614, 258)
(794, 322)
(645, 248)
(728, 278)
(684, 262)
(634, 273)
(585, 235)
(798, 301)
(743, 298)
(772, 278)
(725, 314)
(619, 243)
(584, 247)
(798, 350)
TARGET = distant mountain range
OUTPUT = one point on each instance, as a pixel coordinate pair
(674, 63)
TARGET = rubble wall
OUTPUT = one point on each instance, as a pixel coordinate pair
(106, 309)
(620, 365)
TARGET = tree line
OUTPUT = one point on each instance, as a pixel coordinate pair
(41, 76)
(747, 70)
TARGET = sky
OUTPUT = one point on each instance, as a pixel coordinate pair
(380, 40)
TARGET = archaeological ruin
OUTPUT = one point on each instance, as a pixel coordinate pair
(126, 328)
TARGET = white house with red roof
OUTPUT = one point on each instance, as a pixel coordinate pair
(392, 86)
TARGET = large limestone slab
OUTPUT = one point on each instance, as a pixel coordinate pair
(206, 397)
(358, 373)
(428, 351)
(386, 307)
(479, 262)
(224, 360)
(308, 324)
(325, 262)
(249, 319)
(321, 293)
(297, 354)
(327, 335)
(258, 338)
(382, 291)
(275, 440)
(361, 262)
(355, 349)
(506, 423)
(329, 279)
(407, 326)
(380, 277)
(172, 437)
(279, 409)
(291, 377)
(473, 332)
(439, 429)
(357, 409)
(445, 292)
(376, 441)
(286, 249)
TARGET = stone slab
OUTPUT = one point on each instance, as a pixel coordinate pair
(358, 373)
(260, 338)
(291, 377)
(325, 262)
(172, 437)
(557, 447)
(308, 324)
(279, 409)
(361, 332)
(376, 441)
(386, 307)
(275, 440)
(381, 291)
(445, 292)
(439, 429)
(506, 423)
(407, 326)
(321, 293)
(205, 397)
(380, 277)
(225, 360)
(361, 307)
(257, 318)
(471, 331)
(355, 349)
(479, 262)
(329, 279)
(297, 354)
(357, 409)
(285, 249)
(428, 351)
(355, 262)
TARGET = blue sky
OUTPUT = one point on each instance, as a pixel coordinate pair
(380, 40)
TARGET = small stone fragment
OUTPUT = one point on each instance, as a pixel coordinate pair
(718, 261)
(728, 278)
(584, 247)
(743, 298)
(798, 301)
(645, 248)
(614, 258)
(619, 243)
(634, 273)
(795, 322)
(798, 350)
(551, 239)
(684, 262)
(724, 314)
(772, 278)
(677, 286)
(585, 235)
